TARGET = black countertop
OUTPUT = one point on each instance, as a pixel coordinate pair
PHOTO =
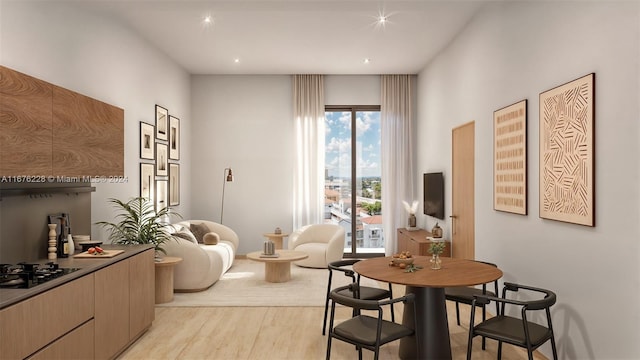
(86, 265)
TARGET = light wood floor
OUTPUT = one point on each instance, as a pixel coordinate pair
(275, 333)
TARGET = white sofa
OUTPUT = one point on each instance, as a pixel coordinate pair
(202, 265)
(324, 243)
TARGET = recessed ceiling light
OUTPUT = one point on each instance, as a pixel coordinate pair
(207, 20)
(236, 60)
(366, 61)
(382, 19)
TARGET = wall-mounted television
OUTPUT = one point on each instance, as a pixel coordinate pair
(434, 194)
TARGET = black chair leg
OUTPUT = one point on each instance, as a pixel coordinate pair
(553, 347)
(393, 316)
(329, 347)
(499, 350)
(326, 311)
(470, 343)
(326, 305)
(484, 317)
(458, 313)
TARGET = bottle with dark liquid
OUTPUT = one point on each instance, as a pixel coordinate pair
(63, 242)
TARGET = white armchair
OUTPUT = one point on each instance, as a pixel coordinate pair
(202, 265)
(324, 243)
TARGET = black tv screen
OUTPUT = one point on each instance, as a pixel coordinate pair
(434, 195)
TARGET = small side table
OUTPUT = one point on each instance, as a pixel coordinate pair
(164, 279)
(278, 239)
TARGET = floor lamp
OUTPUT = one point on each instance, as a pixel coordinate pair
(228, 177)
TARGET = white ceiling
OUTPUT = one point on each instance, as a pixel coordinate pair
(294, 36)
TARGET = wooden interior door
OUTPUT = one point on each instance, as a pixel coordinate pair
(462, 193)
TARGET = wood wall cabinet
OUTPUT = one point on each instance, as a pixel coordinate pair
(88, 136)
(49, 130)
(36, 322)
(416, 242)
(26, 116)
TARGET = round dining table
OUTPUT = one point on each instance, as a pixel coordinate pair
(431, 340)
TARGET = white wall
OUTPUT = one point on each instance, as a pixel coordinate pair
(246, 122)
(99, 58)
(514, 51)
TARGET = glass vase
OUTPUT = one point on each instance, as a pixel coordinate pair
(436, 262)
(412, 221)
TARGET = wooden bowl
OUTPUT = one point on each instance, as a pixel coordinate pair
(406, 261)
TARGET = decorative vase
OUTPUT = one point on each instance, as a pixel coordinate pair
(436, 263)
(436, 231)
(52, 251)
(412, 220)
(268, 247)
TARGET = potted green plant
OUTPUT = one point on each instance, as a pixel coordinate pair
(436, 248)
(139, 223)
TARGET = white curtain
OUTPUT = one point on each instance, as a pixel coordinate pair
(308, 112)
(397, 154)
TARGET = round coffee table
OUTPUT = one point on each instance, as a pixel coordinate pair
(278, 269)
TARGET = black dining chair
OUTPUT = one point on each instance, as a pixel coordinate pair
(365, 293)
(465, 294)
(518, 331)
(365, 331)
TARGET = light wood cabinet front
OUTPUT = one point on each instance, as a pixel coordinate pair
(112, 310)
(31, 324)
(25, 124)
(416, 242)
(142, 295)
(78, 344)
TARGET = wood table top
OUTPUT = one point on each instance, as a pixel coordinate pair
(285, 256)
(275, 235)
(454, 272)
(168, 260)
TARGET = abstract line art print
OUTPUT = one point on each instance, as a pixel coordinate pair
(567, 152)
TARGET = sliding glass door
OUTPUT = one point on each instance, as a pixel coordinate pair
(353, 177)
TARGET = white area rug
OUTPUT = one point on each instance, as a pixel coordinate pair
(244, 285)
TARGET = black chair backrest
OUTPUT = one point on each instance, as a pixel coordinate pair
(546, 302)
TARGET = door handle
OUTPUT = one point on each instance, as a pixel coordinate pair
(453, 225)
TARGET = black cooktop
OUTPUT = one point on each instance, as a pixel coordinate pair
(25, 275)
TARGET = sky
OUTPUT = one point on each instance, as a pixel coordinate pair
(338, 143)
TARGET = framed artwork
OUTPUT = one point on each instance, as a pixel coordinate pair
(566, 152)
(174, 138)
(162, 117)
(147, 183)
(174, 184)
(510, 158)
(161, 194)
(162, 161)
(147, 150)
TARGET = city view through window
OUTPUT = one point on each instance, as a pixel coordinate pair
(352, 151)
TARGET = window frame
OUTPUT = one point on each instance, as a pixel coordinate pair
(354, 109)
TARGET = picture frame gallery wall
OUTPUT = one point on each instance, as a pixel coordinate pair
(159, 159)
